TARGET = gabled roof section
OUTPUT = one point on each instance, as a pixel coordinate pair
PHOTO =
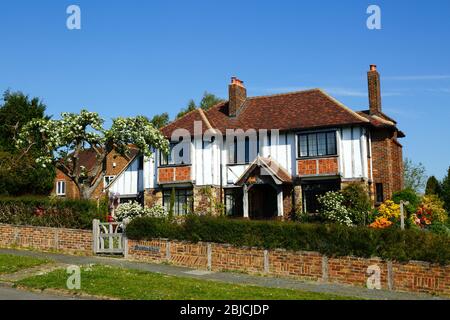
(289, 111)
(273, 168)
(187, 122)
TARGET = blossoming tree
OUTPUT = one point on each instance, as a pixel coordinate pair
(66, 138)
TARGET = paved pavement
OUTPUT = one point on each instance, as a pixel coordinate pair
(238, 278)
(7, 293)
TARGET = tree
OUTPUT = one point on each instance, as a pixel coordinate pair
(208, 100)
(433, 187)
(414, 175)
(19, 173)
(64, 140)
(191, 107)
(160, 120)
(446, 191)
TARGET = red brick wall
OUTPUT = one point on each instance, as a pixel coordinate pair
(172, 174)
(43, 238)
(317, 166)
(412, 276)
(387, 161)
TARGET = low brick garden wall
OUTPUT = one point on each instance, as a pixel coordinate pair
(412, 277)
(420, 277)
(72, 241)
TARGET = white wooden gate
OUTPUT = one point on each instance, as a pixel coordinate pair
(109, 237)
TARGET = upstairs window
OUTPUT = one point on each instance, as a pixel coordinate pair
(317, 144)
(168, 159)
(61, 188)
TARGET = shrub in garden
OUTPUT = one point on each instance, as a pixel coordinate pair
(329, 239)
(333, 209)
(431, 215)
(388, 213)
(133, 209)
(436, 206)
(357, 201)
(407, 195)
(49, 212)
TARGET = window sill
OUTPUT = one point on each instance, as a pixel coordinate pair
(318, 157)
(174, 165)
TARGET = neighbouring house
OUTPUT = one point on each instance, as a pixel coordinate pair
(115, 165)
(283, 151)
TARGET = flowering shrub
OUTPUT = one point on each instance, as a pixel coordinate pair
(381, 223)
(131, 210)
(333, 209)
(388, 213)
(389, 210)
(436, 206)
(430, 212)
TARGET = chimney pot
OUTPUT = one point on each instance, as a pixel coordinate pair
(373, 67)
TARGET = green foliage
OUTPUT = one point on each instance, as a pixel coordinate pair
(19, 173)
(160, 120)
(328, 239)
(433, 187)
(446, 190)
(414, 175)
(356, 199)
(49, 212)
(407, 195)
(208, 100)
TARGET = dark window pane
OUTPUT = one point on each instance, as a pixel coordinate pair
(321, 144)
(379, 192)
(303, 141)
(331, 143)
(312, 145)
(247, 150)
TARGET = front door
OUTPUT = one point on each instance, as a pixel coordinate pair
(262, 202)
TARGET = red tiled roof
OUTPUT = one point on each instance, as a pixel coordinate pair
(296, 110)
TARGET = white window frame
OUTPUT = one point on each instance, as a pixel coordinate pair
(61, 185)
(111, 178)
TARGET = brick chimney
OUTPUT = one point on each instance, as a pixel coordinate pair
(373, 81)
(237, 96)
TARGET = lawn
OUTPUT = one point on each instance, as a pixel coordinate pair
(130, 284)
(11, 263)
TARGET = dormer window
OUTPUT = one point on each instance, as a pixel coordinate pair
(317, 144)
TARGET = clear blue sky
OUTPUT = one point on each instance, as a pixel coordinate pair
(148, 57)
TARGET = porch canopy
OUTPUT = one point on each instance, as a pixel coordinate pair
(264, 172)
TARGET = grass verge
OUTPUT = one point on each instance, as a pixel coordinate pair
(139, 285)
(11, 263)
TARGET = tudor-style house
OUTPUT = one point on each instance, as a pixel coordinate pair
(295, 147)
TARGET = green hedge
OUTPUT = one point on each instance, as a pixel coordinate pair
(328, 239)
(48, 212)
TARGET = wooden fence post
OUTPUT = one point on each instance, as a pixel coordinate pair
(95, 234)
